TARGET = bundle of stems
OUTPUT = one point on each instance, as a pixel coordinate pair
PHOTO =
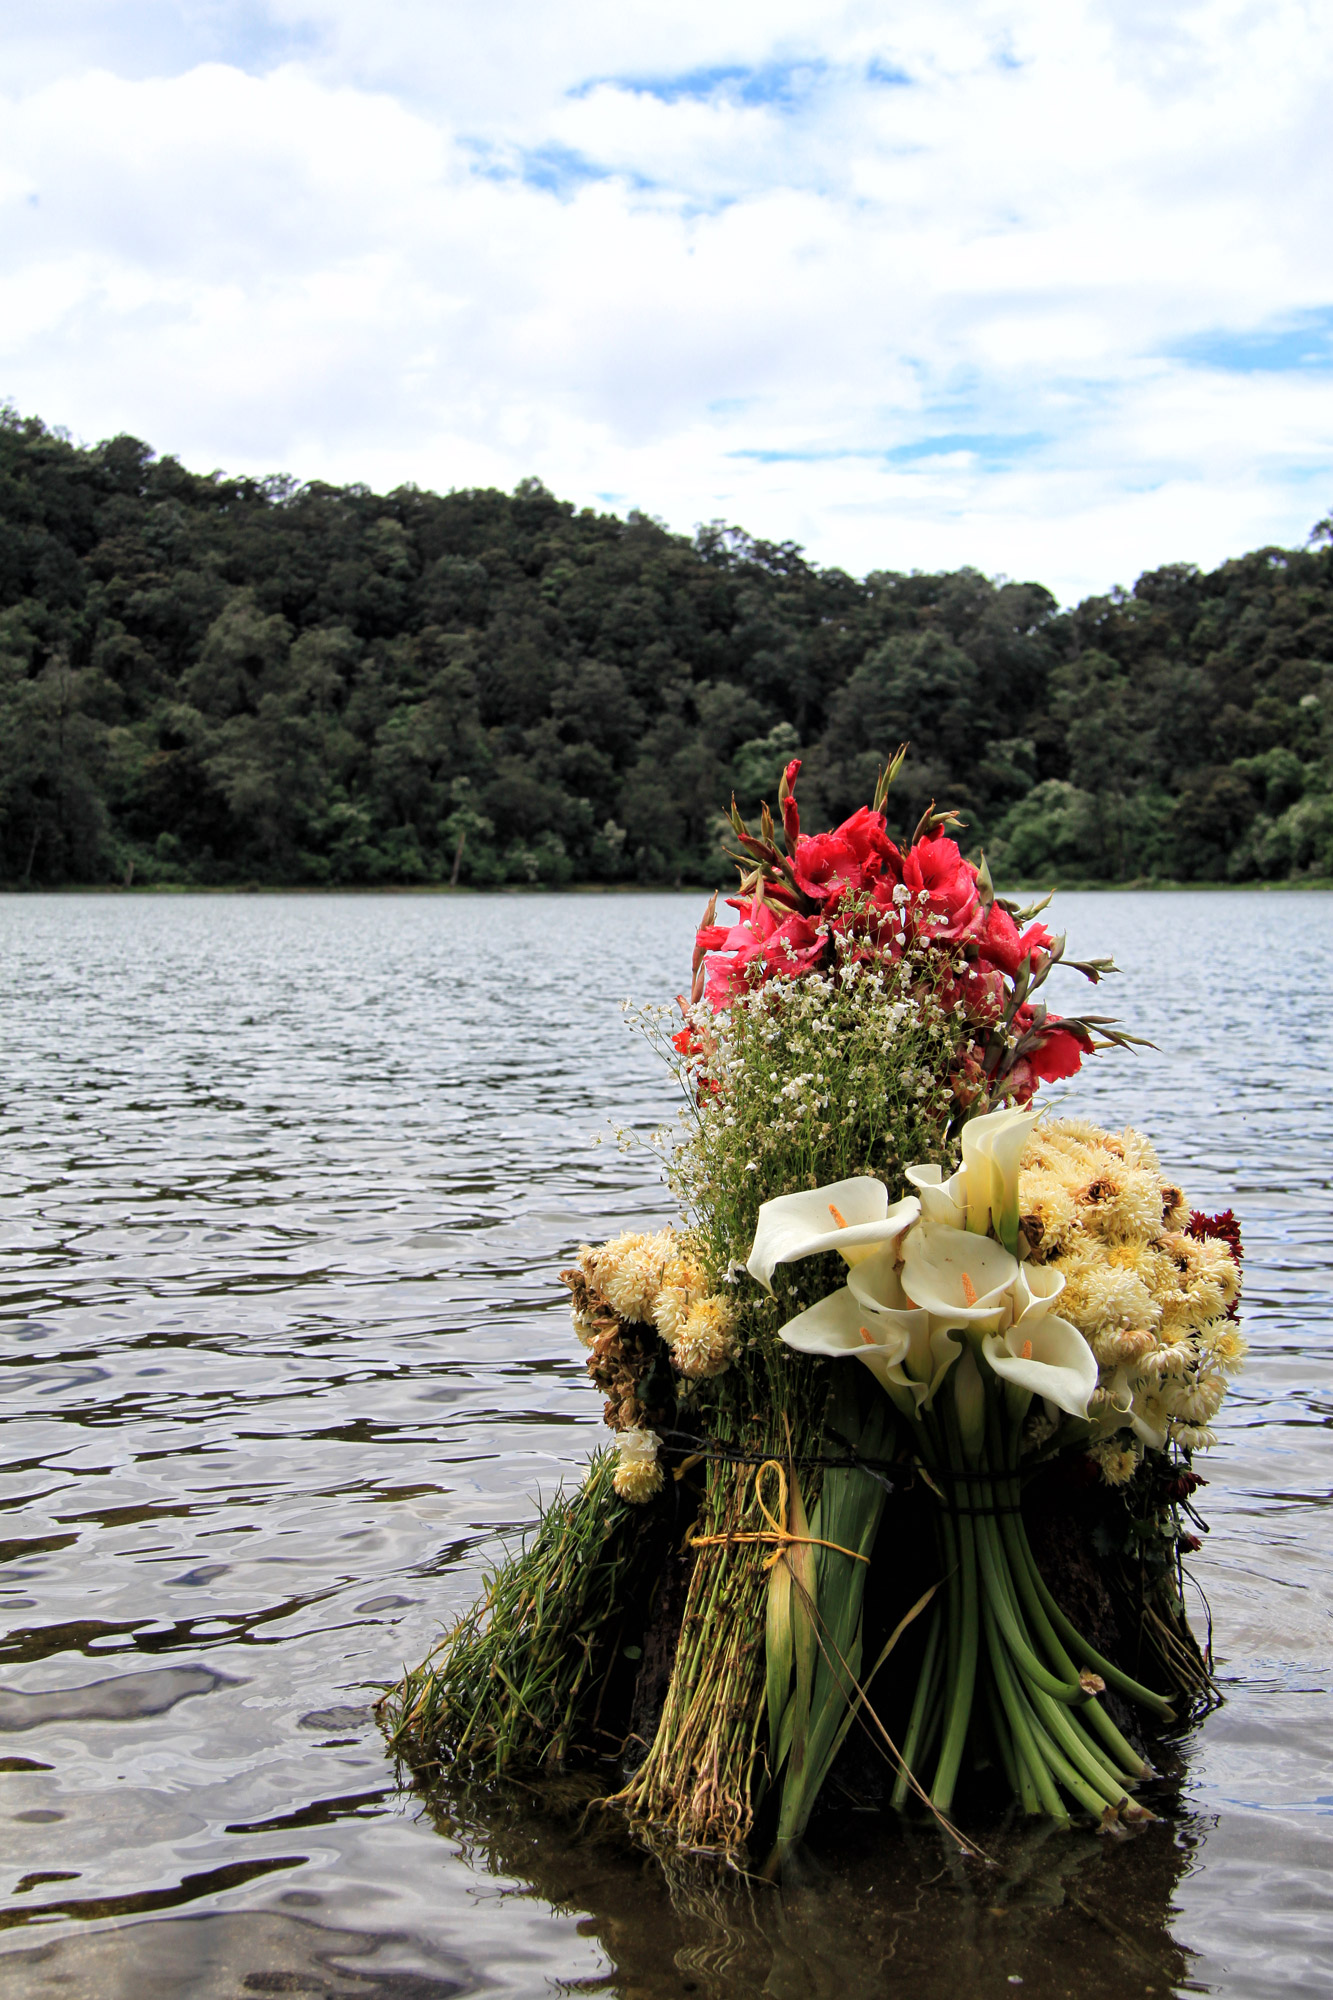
(516, 1681)
(1003, 1663)
(698, 1785)
(813, 1638)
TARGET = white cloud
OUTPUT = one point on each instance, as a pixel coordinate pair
(707, 259)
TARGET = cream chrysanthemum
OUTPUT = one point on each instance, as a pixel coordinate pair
(1193, 1437)
(1049, 1209)
(684, 1284)
(1114, 1350)
(704, 1344)
(1103, 1296)
(627, 1271)
(638, 1476)
(1194, 1400)
(1117, 1460)
(1155, 1302)
(1223, 1344)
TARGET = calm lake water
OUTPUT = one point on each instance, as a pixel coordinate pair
(287, 1181)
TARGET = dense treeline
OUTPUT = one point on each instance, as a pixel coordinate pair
(214, 680)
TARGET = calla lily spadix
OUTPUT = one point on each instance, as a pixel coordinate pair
(931, 1350)
(961, 1280)
(852, 1217)
(870, 1319)
(1047, 1357)
(842, 1325)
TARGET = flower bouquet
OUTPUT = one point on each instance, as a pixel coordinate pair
(962, 1556)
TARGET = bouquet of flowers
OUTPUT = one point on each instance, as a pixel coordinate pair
(783, 1549)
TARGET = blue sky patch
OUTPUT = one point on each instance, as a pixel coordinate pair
(1304, 341)
(886, 75)
(991, 448)
(782, 84)
(557, 170)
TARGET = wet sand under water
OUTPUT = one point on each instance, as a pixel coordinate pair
(286, 1184)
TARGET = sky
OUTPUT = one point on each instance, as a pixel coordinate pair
(1042, 286)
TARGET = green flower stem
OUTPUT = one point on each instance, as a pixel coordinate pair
(1060, 1721)
(1077, 1644)
(992, 1563)
(1047, 1697)
(964, 1674)
(1021, 1565)
(925, 1708)
(1058, 1767)
(1004, 1441)
(1068, 1737)
(1024, 1738)
(1014, 1768)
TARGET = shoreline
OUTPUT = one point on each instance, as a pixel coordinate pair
(1073, 885)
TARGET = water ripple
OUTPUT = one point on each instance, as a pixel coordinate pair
(286, 1183)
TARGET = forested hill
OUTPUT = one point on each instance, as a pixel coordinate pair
(215, 680)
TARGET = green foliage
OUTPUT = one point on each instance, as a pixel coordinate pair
(213, 680)
(512, 1683)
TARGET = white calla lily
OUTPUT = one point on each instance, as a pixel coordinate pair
(1047, 1357)
(841, 1325)
(930, 1351)
(852, 1217)
(992, 1148)
(961, 1280)
(1126, 1402)
(1036, 1289)
(943, 1203)
(1149, 1421)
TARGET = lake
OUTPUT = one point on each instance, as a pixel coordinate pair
(287, 1181)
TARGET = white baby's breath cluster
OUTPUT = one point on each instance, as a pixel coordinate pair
(1153, 1302)
(806, 1080)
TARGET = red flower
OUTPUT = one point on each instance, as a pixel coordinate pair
(1001, 944)
(853, 858)
(1059, 1053)
(791, 819)
(792, 946)
(935, 868)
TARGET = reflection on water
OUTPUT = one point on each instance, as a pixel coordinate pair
(1053, 1911)
(286, 1182)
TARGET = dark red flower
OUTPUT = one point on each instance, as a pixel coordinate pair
(1059, 1053)
(1224, 1228)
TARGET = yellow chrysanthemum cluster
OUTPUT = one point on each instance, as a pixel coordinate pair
(638, 1475)
(1152, 1301)
(657, 1280)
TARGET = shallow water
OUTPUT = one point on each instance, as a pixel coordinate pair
(286, 1184)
